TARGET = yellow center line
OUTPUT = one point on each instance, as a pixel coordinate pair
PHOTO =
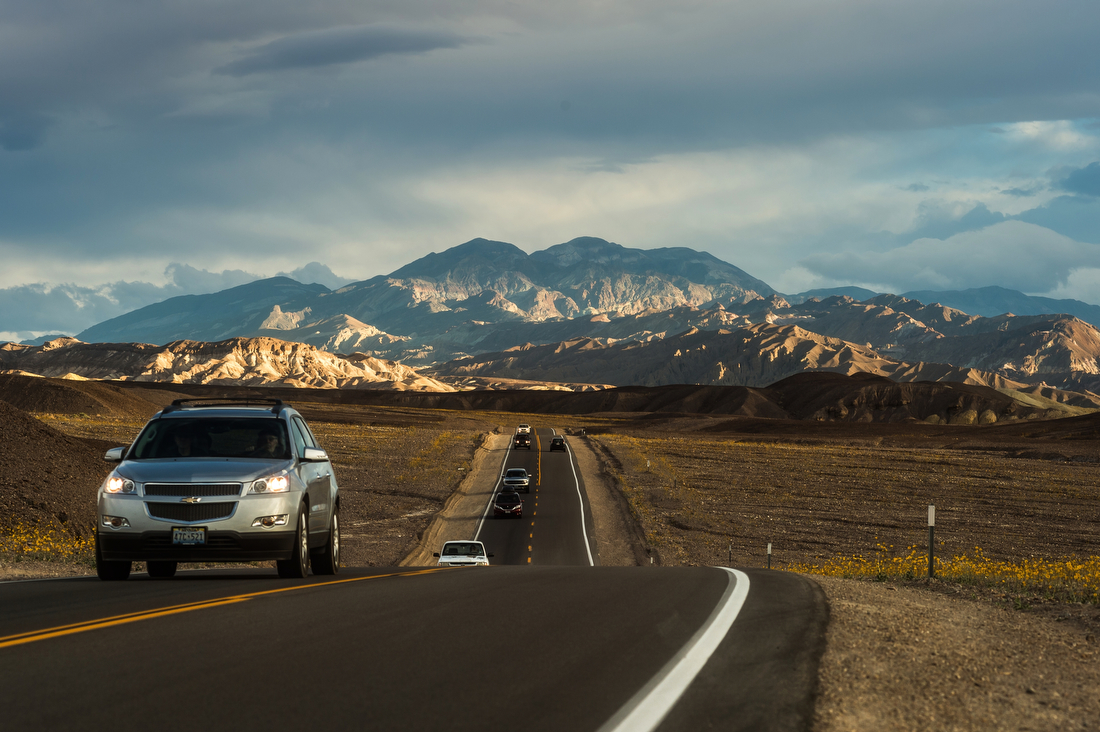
(63, 630)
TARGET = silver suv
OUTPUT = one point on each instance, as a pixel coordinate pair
(219, 480)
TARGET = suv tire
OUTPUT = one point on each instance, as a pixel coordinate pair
(297, 567)
(326, 560)
(109, 571)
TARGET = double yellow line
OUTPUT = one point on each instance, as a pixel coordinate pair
(62, 630)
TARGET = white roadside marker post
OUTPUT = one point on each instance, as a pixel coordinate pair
(931, 539)
(769, 555)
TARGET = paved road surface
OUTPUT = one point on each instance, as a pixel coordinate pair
(536, 647)
(554, 530)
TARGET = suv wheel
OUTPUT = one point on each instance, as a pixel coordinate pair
(109, 571)
(326, 560)
(297, 566)
(161, 570)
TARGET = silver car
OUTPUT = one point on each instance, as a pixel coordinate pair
(219, 480)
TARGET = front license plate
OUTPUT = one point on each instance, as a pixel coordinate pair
(189, 536)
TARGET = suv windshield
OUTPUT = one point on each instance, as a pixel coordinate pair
(220, 437)
(516, 473)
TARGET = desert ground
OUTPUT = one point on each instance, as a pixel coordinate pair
(902, 654)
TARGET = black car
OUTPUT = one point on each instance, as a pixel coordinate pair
(508, 504)
(558, 443)
(523, 441)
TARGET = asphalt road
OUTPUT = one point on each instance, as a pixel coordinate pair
(538, 647)
(554, 530)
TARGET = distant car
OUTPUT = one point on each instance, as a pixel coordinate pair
(516, 479)
(508, 504)
(463, 554)
(219, 480)
(523, 429)
(558, 443)
(521, 441)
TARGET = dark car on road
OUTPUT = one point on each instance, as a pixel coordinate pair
(523, 441)
(508, 504)
(558, 443)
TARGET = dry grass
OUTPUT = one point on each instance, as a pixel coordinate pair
(711, 500)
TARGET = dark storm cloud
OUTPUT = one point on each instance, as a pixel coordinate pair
(338, 46)
(1084, 181)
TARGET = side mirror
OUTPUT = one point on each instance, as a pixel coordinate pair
(490, 555)
(314, 455)
(114, 455)
(435, 554)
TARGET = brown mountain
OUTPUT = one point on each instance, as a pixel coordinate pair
(237, 361)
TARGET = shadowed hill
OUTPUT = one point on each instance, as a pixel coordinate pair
(47, 479)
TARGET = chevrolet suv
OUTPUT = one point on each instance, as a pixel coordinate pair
(219, 480)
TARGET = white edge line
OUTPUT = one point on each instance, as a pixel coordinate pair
(648, 708)
(580, 499)
(500, 477)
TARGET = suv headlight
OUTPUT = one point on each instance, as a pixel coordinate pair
(278, 483)
(117, 484)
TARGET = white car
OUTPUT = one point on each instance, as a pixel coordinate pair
(463, 554)
(517, 479)
(523, 429)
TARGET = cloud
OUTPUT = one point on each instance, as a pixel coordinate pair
(1083, 181)
(1077, 217)
(334, 46)
(193, 281)
(22, 131)
(315, 272)
(943, 219)
(1011, 254)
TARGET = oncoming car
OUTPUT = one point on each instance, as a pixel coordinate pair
(219, 480)
(517, 479)
(523, 429)
(463, 554)
(509, 504)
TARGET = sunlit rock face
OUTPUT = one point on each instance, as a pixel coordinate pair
(237, 361)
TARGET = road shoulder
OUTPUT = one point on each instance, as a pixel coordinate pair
(459, 517)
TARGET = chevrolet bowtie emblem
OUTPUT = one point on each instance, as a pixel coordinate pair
(191, 499)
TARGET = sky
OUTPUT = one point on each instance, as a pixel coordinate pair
(154, 149)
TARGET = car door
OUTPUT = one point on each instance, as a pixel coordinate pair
(317, 476)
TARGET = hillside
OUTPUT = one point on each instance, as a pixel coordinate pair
(237, 361)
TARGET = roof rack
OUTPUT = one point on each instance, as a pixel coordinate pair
(276, 405)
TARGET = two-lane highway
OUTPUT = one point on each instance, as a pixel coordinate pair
(556, 527)
(552, 644)
(504, 648)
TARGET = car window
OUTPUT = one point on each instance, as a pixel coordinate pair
(311, 440)
(300, 441)
(219, 437)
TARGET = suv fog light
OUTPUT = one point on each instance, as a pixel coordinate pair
(116, 522)
(268, 521)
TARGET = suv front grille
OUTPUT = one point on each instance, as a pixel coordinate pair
(191, 512)
(192, 489)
